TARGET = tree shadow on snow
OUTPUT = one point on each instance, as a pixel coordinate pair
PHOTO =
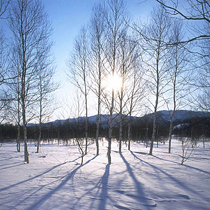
(11, 165)
(141, 197)
(187, 166)
(197, 169)
(37, 204)
(101, 187)
(37, 176)
(104, 190)
(177, 182)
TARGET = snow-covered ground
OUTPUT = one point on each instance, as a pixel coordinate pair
(55, 180)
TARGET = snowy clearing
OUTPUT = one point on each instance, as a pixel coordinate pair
(55, 180)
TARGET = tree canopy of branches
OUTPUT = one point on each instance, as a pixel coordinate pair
(154, 36)
(97, 34)
(79, 71)
(194, 10)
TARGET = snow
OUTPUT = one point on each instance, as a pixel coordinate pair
(54, 178)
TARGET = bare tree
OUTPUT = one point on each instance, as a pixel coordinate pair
(45, 88)
(187, 149)
(128, 56)
(76, 109)
(29, 25)
(154, 38)
(196, 14)
(14, 89)
(97, 72)
(178, 74)
(79, 71)
(135, 90)
(116, 25)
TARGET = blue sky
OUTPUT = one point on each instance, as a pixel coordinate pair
(67, 18)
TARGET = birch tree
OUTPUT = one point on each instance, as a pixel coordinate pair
(128, 57)
(46, 87)
(135, 90)
(14, 91)
(116, 25)
(79, 72)
(178, 74)
(29, 26)
(155, 36)
(97, 31)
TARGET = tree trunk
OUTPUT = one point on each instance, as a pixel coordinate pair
(18, 139)
(156, 98)
(170, 132)
(99, 103)
(97, 133)
(153, 133)
(129, 133)
(109, 140)
(40, 111)
(174, 97)
(23, 95)
(26, 154)
(110, 129)
(120, 134)
(155, 115)
(86, 118)
(18, 128)
(121, 123)
(40, 136)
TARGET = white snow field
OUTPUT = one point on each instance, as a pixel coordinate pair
(54, 179)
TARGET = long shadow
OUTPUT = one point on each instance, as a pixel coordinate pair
(39, 175)
(197, 169)
(180, 183)
(187, 166)
(101, 185)
(12, 165)
(5, 159)
(141, 195)
(37, 204)
(104, 191)
(171, 161)
(161, 171)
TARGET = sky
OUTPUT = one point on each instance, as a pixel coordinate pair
(67, 18)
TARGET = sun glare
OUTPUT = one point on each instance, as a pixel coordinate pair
(115, 82)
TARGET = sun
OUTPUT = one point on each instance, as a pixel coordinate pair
(114, 82)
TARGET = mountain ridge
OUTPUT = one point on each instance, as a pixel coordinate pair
(164, 115)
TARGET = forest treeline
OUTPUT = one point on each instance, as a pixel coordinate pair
(195, 128)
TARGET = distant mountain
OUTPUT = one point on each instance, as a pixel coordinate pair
(91, 119)
(162, 116)
(186, 123)
(180, 115)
